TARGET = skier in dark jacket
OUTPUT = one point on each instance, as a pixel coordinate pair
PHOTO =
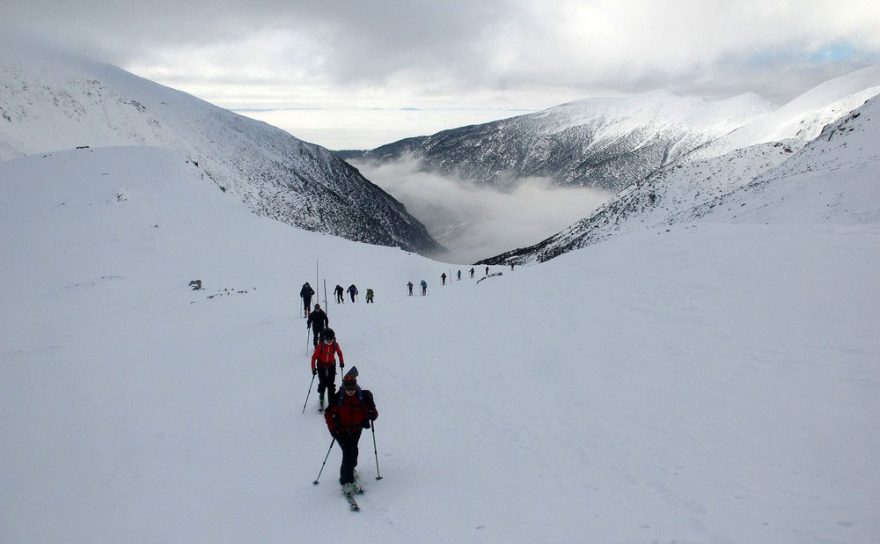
(352, 291)
(370, 296)
(472, 273)
(339, 298)
(348, 413)
(443, 278)
(409, 286)
(324, 364)
(424, 286)
(306, 294)
(317, 321)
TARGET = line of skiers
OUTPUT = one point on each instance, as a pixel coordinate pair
(353, 292)
(306, 293)
(348, 411)
(424, 285)
(351, 409)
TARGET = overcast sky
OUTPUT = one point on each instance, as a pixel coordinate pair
(360, 73)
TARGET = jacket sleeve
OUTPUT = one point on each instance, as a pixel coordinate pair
(341, 358)
(372, 412)
(315, 356)
(329, 418)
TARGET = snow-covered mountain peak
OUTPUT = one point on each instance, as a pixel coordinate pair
(53, 102)
(801, 119)
(660, 109)
(831, 179)
(606, 142)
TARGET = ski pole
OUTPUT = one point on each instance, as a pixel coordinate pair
(325, 461)
(375, 451)
(307, 341)
(309, 393)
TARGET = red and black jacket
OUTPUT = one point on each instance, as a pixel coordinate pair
(350, 413)
(325, 353)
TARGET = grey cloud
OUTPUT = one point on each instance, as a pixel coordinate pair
(498, 53)
(444, 47)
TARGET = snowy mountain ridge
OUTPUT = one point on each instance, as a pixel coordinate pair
(838, 159)
(51, 102)
(600, 142)
(803, 118)
(614, 142)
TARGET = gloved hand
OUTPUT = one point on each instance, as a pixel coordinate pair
(314, 372)
(366, 424)
(341, 366)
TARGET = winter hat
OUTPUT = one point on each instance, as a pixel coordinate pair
(351, 375)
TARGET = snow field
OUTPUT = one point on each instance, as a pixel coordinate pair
(713, 383)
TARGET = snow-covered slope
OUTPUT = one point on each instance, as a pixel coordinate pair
(801, 120)
(51, 102)
(601, 142)
(837, 162)
(714, 383)
(833, 179)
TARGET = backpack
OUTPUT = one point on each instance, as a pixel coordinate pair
(364, 397)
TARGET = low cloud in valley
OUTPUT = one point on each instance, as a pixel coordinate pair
(475, 222)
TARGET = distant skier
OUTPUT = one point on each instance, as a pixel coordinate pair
(352, 292)
(348, 413)
(459, 275)
(443, 278)
(306, 295)
(409, 286)
(339, 291)
(317, 321)
(424, 285)
(324, 364)
(487, 270)
(511, 267)
(472, 272)
(369, 296)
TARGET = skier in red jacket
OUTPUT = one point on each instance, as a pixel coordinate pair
(348, 413)
(324, 364)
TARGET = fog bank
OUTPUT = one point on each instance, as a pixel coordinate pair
(478, 222)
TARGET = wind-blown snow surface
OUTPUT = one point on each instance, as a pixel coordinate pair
(714, 383)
